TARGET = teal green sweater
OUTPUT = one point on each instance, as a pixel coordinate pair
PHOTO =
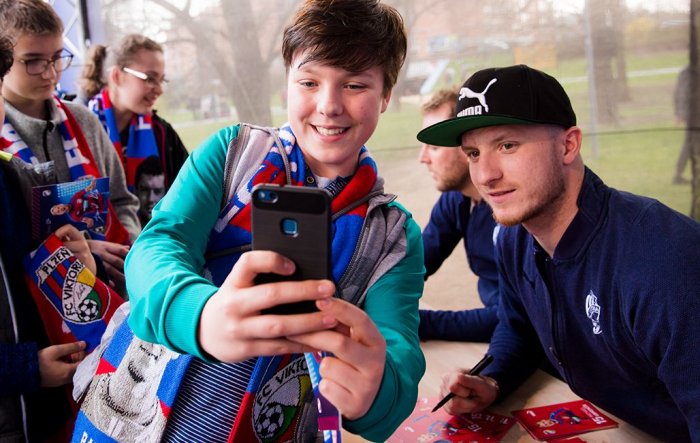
(168, 292)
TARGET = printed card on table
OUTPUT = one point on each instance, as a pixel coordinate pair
(82, 203)
(425, 427)
(563, 420)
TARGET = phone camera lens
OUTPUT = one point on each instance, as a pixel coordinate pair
(267, 196)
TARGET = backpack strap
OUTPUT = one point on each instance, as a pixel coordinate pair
(233, 157)
(249, 136)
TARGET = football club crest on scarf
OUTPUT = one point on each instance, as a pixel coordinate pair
(274, 398)
(73, 303)
(142, 140)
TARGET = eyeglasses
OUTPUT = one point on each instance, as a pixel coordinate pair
(37, 66)
(150, 80)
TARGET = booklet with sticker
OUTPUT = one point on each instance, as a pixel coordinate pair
(425, 427)
(563, 420)
(82, 203)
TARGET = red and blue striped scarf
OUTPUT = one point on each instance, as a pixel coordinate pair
(79, 158)
(235, 216)
(132, 392)
(142, 140)
(73, 303)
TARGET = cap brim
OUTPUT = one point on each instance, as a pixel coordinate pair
(449, 132)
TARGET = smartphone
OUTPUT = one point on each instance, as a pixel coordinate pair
(294, 221)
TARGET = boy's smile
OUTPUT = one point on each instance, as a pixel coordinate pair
(333, 113)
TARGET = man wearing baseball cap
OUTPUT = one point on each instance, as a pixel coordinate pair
(600, 282)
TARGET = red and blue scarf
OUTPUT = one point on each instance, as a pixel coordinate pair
(73, 303)
(235, 216)
(79, 158)
(124, 403)
(142, 140)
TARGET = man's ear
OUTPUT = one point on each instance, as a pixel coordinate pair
(572, 144)
(386, 99)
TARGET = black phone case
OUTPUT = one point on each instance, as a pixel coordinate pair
(309, 247)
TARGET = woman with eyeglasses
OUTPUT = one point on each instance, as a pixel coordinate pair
(124, 81)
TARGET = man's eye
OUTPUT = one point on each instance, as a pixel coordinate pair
(472, 155)
(508, 146)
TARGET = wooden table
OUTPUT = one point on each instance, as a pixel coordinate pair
(539, 390)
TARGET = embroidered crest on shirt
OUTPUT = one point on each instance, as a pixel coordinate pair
(593, 312)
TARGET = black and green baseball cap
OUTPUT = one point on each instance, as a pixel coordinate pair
(514, 95)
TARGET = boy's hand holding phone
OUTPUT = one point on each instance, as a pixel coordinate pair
(231, 326)
(269, 305)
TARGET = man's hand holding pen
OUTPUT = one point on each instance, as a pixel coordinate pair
(466, 391)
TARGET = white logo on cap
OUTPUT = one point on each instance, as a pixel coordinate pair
(481, 96)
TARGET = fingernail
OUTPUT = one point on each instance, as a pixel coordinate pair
(325, 288)
(323, 303)
(288, 266)
(329, 320)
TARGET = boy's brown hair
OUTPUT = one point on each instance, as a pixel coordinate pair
(440, 98)
(6, 58)
(349, 34)
(29, 16)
